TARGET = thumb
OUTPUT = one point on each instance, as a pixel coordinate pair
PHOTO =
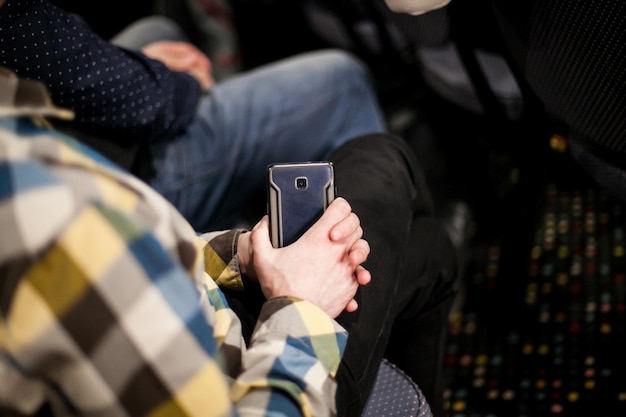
(260, 236)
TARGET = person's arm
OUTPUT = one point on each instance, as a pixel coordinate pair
(305, 284)
(105, 306)
(290, 364)
(105, 318)
(113, 91)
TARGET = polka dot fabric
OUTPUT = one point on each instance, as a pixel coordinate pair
(109, 88)
(395, 395)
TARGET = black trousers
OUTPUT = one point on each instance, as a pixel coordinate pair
(402, 313)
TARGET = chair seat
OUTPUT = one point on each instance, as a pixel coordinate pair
(395, 395)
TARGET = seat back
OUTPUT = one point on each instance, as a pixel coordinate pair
(571, 54)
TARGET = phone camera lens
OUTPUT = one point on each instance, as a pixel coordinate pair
(301, 183)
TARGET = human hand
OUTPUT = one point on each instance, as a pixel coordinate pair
(323, 266)
(183, 57)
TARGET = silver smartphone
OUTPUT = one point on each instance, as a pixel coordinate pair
(298, 194)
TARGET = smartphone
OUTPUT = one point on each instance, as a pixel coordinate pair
(298, 194)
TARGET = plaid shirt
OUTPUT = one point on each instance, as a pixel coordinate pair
(108, 299)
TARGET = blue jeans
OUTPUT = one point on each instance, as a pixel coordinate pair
(297, 109)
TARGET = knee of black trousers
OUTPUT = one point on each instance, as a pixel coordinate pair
(387, 153)
(429, 270)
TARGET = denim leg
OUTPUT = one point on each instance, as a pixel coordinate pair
(297, 109)
(413, 269)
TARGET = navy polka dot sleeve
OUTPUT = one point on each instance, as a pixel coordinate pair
(112, 90)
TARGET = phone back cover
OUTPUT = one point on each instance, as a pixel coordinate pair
(296, 209)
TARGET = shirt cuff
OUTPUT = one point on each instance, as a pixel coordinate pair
(220, 258)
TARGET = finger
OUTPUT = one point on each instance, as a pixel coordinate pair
(363, 276)
(175, 55)
(204, 62)
(352, 306)
(261, 224)
(359, 252)
(203, 77)
(346, 228)
(260, 237)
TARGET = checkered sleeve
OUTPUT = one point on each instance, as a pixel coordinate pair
(220, 260)
(295, 348)
(293, 341)
(110, 326)
(294, 355)
(291, 362)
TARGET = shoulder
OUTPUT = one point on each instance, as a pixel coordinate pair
(34, 202)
